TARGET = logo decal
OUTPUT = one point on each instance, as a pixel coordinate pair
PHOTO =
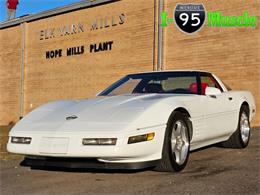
(72, 117)
(189, 17)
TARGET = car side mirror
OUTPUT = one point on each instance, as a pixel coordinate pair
(212, 91)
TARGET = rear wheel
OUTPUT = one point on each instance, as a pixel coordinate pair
(240, 138)
(176, 146)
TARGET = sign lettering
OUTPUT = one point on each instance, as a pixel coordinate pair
(79, 50)
(76, 28)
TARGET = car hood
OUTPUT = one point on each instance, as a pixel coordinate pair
(99, 113)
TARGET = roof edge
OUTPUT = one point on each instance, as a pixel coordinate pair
(52, 12)
(172, 70)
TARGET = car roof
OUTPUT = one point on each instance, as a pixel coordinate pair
(171, 71)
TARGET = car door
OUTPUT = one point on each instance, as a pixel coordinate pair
(219, 111)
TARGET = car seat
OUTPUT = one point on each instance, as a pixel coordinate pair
(193, 88)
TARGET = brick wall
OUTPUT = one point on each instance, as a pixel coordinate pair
(230, 53)
(10, 59)
(78, 76)
(84, 75)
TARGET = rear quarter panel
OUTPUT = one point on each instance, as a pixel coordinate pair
(245, 97)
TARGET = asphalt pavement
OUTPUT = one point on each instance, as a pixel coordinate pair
(212, 170)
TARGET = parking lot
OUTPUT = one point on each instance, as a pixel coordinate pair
(212, 170)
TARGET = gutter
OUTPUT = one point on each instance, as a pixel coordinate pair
(52, 12)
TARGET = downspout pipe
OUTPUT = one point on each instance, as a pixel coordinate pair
(160, 37)
(21, 96)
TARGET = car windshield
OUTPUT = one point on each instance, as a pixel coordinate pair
(158, 82)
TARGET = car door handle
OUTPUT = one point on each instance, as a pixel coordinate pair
(230, 98)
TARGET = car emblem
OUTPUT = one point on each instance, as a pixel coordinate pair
(72, 117)
(189, 17)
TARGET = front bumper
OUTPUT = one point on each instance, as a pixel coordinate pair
(122, 152)
(74, 163)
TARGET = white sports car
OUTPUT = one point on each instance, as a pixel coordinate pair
(151, 119)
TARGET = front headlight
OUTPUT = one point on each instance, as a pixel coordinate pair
(141, 138)
(21, 140)
(99, 141)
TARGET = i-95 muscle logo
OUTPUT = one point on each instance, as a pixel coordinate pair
(190, 18)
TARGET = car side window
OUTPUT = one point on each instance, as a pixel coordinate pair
(210, 82)
(186, 85)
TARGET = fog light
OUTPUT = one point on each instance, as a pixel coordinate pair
(99, 141)
(21, 140)
(141, 138)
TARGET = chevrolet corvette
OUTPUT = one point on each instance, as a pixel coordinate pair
(151, 119)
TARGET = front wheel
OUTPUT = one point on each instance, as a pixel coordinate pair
(176, 146)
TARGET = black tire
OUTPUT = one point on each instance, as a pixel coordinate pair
(169, 160)
(236, 140)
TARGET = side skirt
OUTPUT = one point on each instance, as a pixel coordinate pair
(205, 143)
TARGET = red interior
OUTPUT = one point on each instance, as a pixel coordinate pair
(203, 88)
(193, 88)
